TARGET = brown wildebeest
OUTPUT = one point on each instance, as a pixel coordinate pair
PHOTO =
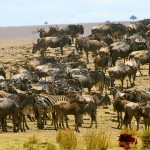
(92, 45)
(133, 110)
(119, 106)
(76, 108)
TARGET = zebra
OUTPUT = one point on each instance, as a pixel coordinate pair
(45, 104)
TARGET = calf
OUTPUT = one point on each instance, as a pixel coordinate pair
(75, 108)
(119, 106)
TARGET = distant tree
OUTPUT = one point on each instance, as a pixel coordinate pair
(133, 17)
(107, 22)
(45, 22)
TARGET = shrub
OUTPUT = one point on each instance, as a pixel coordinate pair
(96, 140)
(67, 139)
(34, 144)
(31, 144)
(145, 137)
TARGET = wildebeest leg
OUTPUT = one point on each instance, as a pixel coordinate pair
(133, 76)
(87, 56)
(93, 118)
(61, 49)
(30, 117)
(121, 120)
(127, 119)
(89, 90)
(16, 123)
(3, 123)
(129, 76)
(21, 122)
(76, 123)
(122, 82)
(66, 120)
(25, 122)
(117, 116)
(40, 124)
(62, 121)
(55, 118)
(138, 121)
(118, 119)
(140, 72)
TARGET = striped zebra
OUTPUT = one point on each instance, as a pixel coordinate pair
(45, 104)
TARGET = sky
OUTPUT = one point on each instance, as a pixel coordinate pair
(37, 12)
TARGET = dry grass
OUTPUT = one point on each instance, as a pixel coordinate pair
(96, 140)
(67, 139)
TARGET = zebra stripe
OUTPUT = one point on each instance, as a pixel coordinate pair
(47, 102)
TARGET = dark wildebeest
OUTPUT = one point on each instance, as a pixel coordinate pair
(138, 95)
(54, 42)
(118, 49)
(9, 106)
(91, 78)
(51, 32)
(26, 104)
(76, 108)
(118, 72)
(73, 30)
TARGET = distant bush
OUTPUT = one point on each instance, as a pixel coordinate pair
(67, 139)
(96, 140)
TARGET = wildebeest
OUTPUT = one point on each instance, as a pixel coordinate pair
(73, 30)
(9, 106)
(92, 45)
(119, 106)
(118, 49)
(146, 116)
(143, 56)
(101, 60)
(54, 42)
(3, 71)
(132, 110)
(116, 30)
(75, 108)
(26, 104)
(138, 95)
(119, 71)
(51, 32)
(134, 66)
(91, 78)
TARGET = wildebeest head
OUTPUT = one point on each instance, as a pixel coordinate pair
(42, 32)
(35, 48)
(146, 111)
(80, 29)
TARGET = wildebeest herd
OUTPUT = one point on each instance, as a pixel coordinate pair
(52, 87)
